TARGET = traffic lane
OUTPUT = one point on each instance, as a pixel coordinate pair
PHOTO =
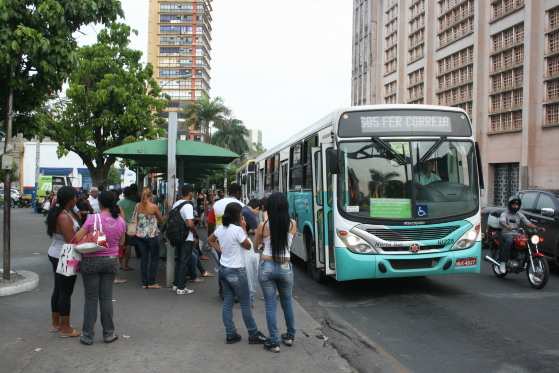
(458, 323)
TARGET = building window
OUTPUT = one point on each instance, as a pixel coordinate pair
(552, 114)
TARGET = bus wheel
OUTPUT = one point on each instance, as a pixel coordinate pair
(315, 273)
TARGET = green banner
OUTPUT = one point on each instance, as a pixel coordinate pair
(390, 208)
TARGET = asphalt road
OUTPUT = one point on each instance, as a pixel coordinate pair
(467, 323)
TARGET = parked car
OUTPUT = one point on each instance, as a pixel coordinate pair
(541, 207)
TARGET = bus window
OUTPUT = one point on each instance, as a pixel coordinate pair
(296, 170)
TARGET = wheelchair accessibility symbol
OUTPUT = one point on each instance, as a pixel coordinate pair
(422, 211)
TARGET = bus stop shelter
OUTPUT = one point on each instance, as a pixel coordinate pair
(194, 161)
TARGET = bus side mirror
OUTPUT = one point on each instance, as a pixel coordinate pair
(479, 167)
(332, 156)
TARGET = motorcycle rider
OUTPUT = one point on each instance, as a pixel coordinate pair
(510, 220)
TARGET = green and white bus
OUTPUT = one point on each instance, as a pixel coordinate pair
(381, 191)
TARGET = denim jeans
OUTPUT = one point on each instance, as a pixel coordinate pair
(98, 274)
(149, 260)
(506, 248)
(275, 276)
(235, 283)
(195, 264)
(183, 254)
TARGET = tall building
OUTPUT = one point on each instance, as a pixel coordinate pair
(179, 45)
(496, 59)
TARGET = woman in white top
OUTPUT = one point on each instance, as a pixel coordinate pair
(276, 273)
(62, 224)
(231, 240)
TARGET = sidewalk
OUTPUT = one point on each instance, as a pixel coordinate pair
(159, 331)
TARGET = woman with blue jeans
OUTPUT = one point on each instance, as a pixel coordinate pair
(276, 274)
(147, 238)
(231, 240)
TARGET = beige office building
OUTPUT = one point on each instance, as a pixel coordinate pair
(496, 59)
(179, 45)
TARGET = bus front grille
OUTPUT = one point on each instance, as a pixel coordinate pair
(393, 249)
(416, 234)
(414, 263)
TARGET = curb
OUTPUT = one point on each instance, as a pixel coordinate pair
(29, 282)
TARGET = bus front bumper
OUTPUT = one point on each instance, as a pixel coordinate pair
(351, 266)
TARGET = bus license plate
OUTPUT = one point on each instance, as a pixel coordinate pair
(466, 262)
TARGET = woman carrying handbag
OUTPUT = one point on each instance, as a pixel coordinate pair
(99, 268)
(62, 224)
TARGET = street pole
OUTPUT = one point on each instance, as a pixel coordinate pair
(37, 170)
(7, 186)
(171, 187)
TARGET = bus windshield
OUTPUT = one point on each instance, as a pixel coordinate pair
(407, 180)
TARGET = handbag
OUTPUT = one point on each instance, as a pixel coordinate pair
(133, 225)
(93, 241)
(69, 261)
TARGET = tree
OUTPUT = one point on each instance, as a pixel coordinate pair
(37, 50)
(36, 56)
(232, 135)
(257, 149)
(112, 98)
(202, 113)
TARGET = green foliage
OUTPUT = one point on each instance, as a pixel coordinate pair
(256, 150)
(112, 99)
(37, 49)
(113, 178)
(232, 135)
(200, 114)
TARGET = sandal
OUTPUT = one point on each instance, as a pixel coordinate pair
(208, 274)
(154, 286)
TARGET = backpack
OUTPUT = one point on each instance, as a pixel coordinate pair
(175, 227)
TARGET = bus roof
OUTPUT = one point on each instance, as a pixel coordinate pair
(335, 116)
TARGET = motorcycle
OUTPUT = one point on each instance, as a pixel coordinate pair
(525, 255)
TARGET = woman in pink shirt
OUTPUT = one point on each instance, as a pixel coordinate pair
(99, 269)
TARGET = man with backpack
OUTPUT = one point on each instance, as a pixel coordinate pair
(181, 232)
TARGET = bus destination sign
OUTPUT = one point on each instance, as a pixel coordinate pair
(408, 124)
(400, 122)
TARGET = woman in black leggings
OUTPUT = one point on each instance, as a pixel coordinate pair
(62, 224)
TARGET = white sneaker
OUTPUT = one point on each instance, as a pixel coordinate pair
(503, 267)
(185, 291)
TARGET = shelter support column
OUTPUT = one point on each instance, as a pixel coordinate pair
(171, 187)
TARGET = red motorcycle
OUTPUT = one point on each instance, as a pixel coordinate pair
(525, 256)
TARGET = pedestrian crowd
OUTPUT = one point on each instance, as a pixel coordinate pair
(250, 245)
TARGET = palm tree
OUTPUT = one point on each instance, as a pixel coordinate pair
(232, 135)
(202, 113)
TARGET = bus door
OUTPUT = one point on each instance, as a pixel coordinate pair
(322, 203)
(283, 177)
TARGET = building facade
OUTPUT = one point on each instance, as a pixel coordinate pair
(179, 45)
(496, 59)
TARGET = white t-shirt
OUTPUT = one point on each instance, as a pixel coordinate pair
(219, 209)
(230, 239)
(187, 213)
(94, 202)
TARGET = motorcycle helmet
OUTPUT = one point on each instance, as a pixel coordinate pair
(516, 200)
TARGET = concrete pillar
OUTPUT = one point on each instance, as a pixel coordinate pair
(171, 187)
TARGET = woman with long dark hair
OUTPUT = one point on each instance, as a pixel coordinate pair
(231, 240)
(147, 238)
(276, 273)
(62, 224)
(98, 269)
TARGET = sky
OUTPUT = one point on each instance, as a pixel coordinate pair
(279, 65)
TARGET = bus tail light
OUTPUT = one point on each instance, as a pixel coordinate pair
(355, 243)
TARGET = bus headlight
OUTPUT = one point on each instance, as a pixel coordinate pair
(468, 239)
(355, 244)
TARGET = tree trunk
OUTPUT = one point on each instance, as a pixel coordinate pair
(99, 174)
